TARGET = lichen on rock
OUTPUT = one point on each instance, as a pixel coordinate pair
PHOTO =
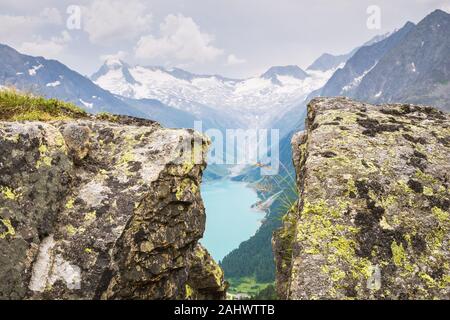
(97, 209)
(206, 278)
(372, 220)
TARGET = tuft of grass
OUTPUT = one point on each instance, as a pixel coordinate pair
(18, 106)
(286, 183)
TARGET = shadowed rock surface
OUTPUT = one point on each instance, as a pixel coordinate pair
(373, 218)
(106, 207)
(205, 277)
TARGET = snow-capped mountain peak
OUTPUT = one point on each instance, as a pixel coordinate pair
(254, 100)
(114, 63)
(291, 71)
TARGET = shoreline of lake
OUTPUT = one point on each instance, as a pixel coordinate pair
(229, 204)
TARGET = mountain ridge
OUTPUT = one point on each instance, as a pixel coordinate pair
(53, 79)
(254, 100)
(417, 70)
(344, 80)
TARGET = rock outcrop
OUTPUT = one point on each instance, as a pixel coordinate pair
(205, 277)
(372, 220)
(105, 207)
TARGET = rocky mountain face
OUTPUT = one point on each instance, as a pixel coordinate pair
(291, 71)
(328, 61)
(373, 217)
(417, 70)
(345, 80)
(104, 207)
(333, 62)
(411, 66)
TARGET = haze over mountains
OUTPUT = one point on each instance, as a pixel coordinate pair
(173, 96)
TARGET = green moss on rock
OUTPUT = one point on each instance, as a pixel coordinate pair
(99, 208)
(373, 214)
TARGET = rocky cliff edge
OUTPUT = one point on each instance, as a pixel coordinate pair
(104, 207)
(372, 220)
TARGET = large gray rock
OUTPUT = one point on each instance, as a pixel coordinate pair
(93, 209)
(372, 221)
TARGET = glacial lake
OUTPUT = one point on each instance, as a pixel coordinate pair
(230, 219)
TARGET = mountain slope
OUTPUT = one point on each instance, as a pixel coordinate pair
(176, 118)
(411, 65)
(344, 81)
(290, 71)
(328, 61)
(165, 115)
(417, 70)
(51, 78)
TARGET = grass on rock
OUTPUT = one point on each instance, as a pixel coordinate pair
(18, 106)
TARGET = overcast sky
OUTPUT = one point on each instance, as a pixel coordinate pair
(235, 38)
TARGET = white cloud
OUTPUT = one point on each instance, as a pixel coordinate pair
(51, 16)
(181, 40)
(117, 20)
(49, 48)
(233, 60)
(16, 28)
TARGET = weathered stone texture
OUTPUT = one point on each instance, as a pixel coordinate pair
(93, 209)
(373, 216)
(205, 277)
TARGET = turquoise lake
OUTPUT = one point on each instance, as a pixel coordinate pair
(230, 219)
